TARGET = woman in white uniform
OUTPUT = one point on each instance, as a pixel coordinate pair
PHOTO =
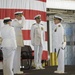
(59, 43)
(8, 45)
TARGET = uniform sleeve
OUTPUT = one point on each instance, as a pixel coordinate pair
(15, 24)
(12, 33)
(61, 37)
(12, 23)
(13, 37)
(64, 40)
(0, 38)
(23, 20)
(0, 33)
(43, 33)
(32, 34)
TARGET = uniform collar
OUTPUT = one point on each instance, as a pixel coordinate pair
(39, 23)
(58, 24)
(6, 24)
(16, 19)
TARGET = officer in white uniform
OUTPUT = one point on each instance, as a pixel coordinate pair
(8, 45)
(18, 23)
(59, 43)
(37, 40)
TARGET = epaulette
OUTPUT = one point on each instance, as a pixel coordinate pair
(55, 30)
(59, 25)
(41, 24)
(34, 23)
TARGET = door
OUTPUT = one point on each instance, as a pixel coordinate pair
(70, 47)
(70, 39)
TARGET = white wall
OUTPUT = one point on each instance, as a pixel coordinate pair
(61, 4)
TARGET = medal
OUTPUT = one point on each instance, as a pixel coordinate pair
(41, 28)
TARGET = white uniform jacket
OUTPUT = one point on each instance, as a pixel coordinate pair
(58, 36)
(37, 34)
(18, 25)
(8, 36)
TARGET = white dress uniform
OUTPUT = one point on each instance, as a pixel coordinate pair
(37, 40)
(58, 34)
(9, 46)
(18, 25)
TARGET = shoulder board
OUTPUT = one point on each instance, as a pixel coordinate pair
(59, 25)
(55, 30)
(34, 23)
(41, 24)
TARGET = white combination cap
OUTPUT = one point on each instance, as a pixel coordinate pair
(18, 12)
(7, 18)
(58, 17)
(37, 16)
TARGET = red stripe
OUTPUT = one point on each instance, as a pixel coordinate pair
(43, 0)
(44, 55)
(26, 35)
(29, 14)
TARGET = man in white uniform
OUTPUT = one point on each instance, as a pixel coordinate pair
(18, 23)
(59, 43)
(8, 45)
(37, 40)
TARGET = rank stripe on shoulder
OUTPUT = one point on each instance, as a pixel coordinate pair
(59, 25)
(41, 24)
(34, 23)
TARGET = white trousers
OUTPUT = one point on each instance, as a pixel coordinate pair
(38, 55)
(8, 57)
(61, 61)
(17, 60)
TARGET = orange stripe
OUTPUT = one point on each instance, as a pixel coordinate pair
(29, 14)
(26, 35)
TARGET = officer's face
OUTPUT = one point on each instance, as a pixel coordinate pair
(56, 21)
(38, 20)
(9, 22)
(19, 17)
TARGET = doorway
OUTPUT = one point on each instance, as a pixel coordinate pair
(69, 27)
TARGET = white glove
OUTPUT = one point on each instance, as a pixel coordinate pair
(64, 45)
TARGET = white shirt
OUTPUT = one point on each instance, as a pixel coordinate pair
(8, 36)
(58, 36)
(37, 34)
(18, 25)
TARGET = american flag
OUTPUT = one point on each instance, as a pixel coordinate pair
(30, 9)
